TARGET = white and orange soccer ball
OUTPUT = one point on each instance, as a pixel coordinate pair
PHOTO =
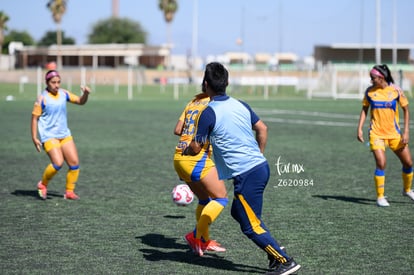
(182, 195)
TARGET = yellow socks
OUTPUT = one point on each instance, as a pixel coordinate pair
(407, 177)
(50, 171)
(198, 211)
(71, 179)
(379, 180)
(210, 212)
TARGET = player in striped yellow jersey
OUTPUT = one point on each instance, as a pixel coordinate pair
(200, 173)
(49, 120)
(384, 98)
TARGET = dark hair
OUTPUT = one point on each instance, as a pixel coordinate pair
(50, 74)
(217, 78)
(385, 71)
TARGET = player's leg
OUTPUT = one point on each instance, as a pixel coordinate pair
(202, 196)
(70, 154)
(378, 150)
(247, 209)
(54, 152)
(218, 194)
(379, 175)
(203, 199)
(183, 167)
(404, 155)
(188, 170)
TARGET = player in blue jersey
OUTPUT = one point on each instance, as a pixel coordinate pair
(227, 124)
(49, 121)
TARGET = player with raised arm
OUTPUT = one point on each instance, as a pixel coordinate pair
(49, 120)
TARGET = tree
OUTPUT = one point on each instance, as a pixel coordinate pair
(3, 26)
(50, 38)
(168, 7)
(58, 8)
(21, 36)
(117, 30)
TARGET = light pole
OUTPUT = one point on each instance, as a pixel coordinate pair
(378, 28)
(195, 40)
(394, 34)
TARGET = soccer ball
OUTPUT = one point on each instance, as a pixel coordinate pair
(182, 195)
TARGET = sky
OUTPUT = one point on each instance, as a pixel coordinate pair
(213, 27)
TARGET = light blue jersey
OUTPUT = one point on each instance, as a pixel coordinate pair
(227, 124)
(53, 119)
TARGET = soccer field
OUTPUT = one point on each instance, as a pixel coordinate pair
(319, 203)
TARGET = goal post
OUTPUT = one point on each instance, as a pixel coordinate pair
(329, 83)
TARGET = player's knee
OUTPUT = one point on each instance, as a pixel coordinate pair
(408, 164)
(381, 165)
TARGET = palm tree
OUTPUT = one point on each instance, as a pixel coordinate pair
(168, 7)
(58, 8)
(3, 20)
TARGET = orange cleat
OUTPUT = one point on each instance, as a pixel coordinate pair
(70, 195)
(195, 244)
(42, 190)
(213, 245)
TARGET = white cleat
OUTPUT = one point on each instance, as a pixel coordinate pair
(409, 194)
(382, 202)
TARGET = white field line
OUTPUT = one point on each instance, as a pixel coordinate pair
(306, 113)
(310, 122)
(266, 115)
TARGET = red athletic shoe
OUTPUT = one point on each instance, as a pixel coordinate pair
(42, 190)
(70, 195)
(213, 245)
(195, 244)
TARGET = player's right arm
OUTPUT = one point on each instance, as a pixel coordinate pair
(203, 125)
(36, 113)
(178, 128)
(362, 117)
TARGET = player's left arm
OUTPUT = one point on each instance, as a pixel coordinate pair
(406, 134)
(403, 101)
(80, 100)
(261, 134)
(259, 127)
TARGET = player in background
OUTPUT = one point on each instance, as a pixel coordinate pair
(383, 97)
(200, 173)
(228, 124)
(49, 119)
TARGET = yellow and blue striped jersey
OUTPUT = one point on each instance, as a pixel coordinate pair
(384, 110)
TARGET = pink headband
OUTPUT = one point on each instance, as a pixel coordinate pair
(376, 73)
(51, 75)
